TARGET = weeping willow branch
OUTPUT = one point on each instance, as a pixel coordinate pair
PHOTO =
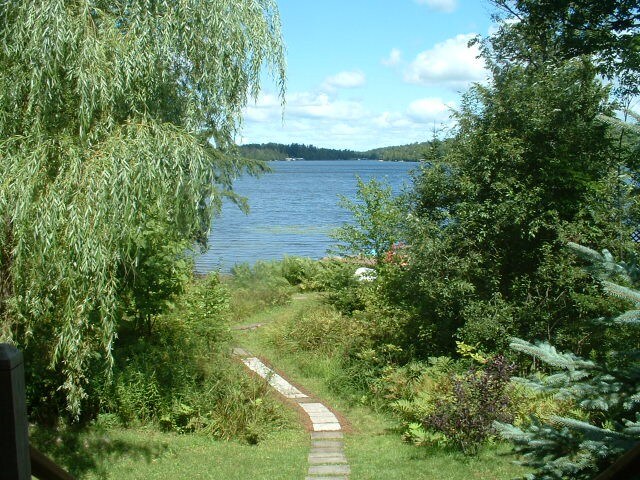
(109, 113)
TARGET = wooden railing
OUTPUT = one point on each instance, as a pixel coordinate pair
(19, 460)
(627, 467)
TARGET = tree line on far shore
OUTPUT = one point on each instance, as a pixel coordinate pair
(412, 152)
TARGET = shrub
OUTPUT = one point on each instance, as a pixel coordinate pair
(318, 328)
(477, 399)
(301, 271)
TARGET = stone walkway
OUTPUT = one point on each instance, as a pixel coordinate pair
(327, 460)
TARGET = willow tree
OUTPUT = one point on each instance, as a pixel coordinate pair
(115, 120)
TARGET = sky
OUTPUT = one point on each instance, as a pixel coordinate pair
(363, 74)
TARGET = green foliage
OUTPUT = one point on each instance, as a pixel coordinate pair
(303, 272)
(277, 151)
(378, 221)
(161, 273)
(487, 259)
(606, 391)
(107, 110)
(317, 329)
(444, 404)
(606, 31)
(476, 400)
(181, 378)
(488, 322)
(413, 152)
(401, 153)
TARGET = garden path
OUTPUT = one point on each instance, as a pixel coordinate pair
(327, 460)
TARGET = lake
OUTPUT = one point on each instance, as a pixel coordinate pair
(293, 209)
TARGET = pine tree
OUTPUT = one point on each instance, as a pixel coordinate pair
(606, 390)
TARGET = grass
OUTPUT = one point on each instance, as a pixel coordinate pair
(375, 449)
(117, 453)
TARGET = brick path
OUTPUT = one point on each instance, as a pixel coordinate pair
(327, 460)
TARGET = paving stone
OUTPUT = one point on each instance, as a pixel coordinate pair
(327, 435)
(312, 407)
(326, 443)
(329, 470)
(323, 418)
(327, 460)
(326, 427)
(326, 451)
(275, 380)
(332, 477)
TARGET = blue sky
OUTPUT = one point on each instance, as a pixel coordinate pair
(369, 73)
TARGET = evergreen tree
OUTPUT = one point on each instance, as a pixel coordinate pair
(606, 390)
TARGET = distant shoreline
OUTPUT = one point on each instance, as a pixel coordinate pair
(413, 152)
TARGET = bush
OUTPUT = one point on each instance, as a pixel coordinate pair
(318, 328)
(440, 403)
(477, 399)
(301, 272)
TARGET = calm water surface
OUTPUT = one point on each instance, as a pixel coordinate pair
(293, 209)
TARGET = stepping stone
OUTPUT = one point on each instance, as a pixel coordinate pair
(326, 443)
(313, 407)
(327, 451)
(326, 435)
(326, 454)
(323, 418)
(326, 427)
(329, 470)
(275, 380)
(328, 460)
(340, 477)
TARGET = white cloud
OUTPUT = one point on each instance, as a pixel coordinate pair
(429, 110)
(321, 105)
(266, 108)
(326, 120)
(345, 80)
(446, 6)
(394, 58)
(450, 63)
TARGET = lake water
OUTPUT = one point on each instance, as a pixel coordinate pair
(293, 209)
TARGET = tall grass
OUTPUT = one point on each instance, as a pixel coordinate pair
(256, 288)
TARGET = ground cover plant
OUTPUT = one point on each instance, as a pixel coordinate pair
(178, 385)
(138, 453)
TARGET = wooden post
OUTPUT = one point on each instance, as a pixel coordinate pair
(15, 463)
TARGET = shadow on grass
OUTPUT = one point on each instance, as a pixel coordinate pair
(84, 450)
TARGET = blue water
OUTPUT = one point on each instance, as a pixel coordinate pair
(293, 210)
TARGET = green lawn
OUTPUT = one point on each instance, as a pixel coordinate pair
(146, 454)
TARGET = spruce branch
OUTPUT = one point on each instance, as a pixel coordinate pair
(548, 354)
